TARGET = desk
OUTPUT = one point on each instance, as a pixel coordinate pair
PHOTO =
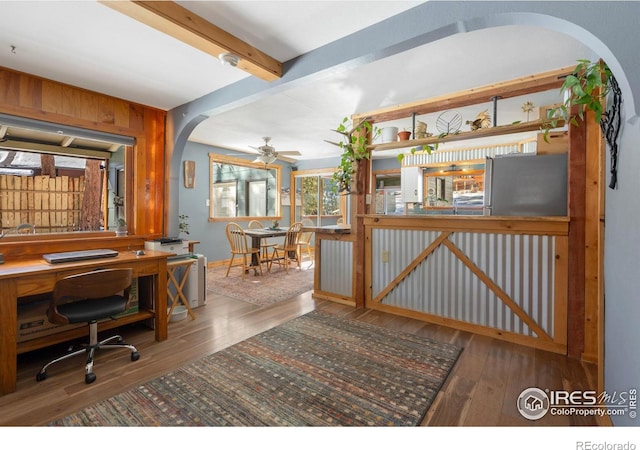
(257, 235)
(28, 277)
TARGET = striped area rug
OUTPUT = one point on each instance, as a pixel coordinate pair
(315, 370)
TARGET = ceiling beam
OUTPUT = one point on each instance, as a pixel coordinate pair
(184, 25)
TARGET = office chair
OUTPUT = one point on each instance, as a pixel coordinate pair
(89, 297)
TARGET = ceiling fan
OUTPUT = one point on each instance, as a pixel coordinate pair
(267, 153)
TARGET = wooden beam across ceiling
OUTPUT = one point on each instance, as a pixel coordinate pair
(182, 24)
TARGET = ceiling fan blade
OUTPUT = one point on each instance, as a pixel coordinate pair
(291, 152)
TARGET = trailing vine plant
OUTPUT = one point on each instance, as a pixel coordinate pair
(354, 148)
(592, 86)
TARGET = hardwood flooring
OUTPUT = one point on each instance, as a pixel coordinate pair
(481, 390)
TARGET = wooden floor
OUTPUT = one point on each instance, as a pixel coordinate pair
(480, 391)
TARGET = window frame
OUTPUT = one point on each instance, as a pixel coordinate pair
(216, 158)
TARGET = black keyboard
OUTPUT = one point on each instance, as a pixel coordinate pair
(80, 255)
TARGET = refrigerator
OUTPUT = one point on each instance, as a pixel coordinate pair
(526, 185)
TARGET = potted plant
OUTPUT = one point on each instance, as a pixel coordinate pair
(404, 135)
(354, 149)
(589, 87)
(121, 229)
(183, 224)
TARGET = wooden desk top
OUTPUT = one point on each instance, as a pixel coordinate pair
(20, 268)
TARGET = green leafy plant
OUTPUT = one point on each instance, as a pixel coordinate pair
(183, 224)
(354, 148)
(429, 148)
(589, 87)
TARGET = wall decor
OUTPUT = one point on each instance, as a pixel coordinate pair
(189, 174)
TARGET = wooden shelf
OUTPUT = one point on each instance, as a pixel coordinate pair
(536, 125)
(81, 332)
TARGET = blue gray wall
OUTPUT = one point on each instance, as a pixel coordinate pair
(193, 202)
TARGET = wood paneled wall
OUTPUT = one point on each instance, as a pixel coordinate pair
(29, 96)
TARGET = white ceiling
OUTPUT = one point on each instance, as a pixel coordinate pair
(87, 44)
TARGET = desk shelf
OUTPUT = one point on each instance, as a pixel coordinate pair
(81, 332)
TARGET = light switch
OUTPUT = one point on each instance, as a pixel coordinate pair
(385, 256)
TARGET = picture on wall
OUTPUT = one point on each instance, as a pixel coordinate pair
(189, 174)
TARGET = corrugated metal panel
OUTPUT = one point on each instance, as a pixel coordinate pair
(470, 154)
(522, 266)
(336, 267)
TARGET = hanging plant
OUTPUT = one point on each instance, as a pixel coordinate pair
(354, 148)
(429, 148)
(592, 86)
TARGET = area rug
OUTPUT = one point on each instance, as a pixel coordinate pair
(271, 287)
(315, 370)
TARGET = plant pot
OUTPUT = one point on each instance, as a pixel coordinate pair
(389, 134)
(404, 135)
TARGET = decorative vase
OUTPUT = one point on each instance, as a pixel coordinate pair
(404, 135)
(389, 134)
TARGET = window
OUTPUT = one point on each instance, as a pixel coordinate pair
(240, 188)
(60, 179)
(317, 198)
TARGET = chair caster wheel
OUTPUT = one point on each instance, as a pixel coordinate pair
(90, 378)
(41, 376)
(135, 356)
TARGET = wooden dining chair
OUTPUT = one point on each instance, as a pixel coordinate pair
(286, 252)
(240, 247)
(305, 239)
(265, 246)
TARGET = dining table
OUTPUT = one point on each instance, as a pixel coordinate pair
(258, 234)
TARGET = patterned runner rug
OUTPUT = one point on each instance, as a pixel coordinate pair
(262, 290)
(315, 370)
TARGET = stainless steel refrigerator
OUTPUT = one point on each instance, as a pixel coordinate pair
(526, 185)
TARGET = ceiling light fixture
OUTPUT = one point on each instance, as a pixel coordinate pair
(229, 59)
(266, 159)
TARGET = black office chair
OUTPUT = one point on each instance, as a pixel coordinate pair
(90, 297)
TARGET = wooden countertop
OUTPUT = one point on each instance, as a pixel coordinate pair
(330, 229)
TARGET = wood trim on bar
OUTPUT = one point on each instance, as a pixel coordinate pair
(556, 226)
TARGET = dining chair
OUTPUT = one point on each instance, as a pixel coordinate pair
(284, 253)
(305, 239)
(265, 246)
(240, 247)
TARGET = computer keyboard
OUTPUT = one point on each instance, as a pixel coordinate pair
(80, 255)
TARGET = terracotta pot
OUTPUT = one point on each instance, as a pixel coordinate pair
(404, 135)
